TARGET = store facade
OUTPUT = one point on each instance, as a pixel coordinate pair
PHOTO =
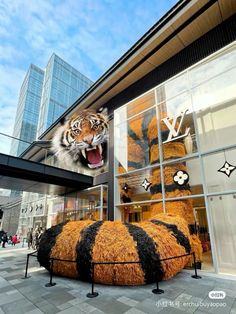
(171, 132)
(198, 107)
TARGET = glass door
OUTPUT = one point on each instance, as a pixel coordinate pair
(224, 221)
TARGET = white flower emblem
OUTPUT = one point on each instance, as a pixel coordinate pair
(181, 177)
(146, 184)
(227, 168)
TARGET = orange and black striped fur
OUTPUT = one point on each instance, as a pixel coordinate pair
(104, 241)
(143, 150)
(82, 140)
(148, 242)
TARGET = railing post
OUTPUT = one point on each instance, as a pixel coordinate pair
(93, 294)
(26, 268)
(51, 284)
(157, 290)
(195, 276)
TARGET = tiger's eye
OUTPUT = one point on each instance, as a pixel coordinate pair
(95, 127)
(77, 131)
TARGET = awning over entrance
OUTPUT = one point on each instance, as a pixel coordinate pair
(24, 175)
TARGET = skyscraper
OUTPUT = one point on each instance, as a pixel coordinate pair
(27, 114)
(62, 86)
(44, 96)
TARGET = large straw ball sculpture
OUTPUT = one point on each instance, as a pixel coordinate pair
(88, 241)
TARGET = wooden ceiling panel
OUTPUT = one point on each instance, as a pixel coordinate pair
(227, 8)
(201, 25)
(142, 70)
(156, 40)
(166, 52)
(190, 9)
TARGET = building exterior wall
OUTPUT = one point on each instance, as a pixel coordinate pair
(10, 218)
(184, 124)
(209, 43)
(202, 92)
(62, 86)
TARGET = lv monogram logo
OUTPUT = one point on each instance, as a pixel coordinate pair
(174, 134)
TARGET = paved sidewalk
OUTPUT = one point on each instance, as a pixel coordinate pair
(30, 296)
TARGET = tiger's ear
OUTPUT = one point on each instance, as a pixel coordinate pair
(103, 110)
(63, 120)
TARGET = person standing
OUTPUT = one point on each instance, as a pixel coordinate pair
(14, 239)
(4, 239)
(29, 238)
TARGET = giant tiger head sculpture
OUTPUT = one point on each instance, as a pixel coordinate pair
(83, 139)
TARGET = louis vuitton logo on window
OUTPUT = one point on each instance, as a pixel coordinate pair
(171, 125)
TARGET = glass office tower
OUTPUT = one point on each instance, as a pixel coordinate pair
(27, 114)
(62, 86)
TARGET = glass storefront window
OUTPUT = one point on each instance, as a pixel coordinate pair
(92, 204)
(194, 212)
(70, 206)
(177, 127)
(136, 142)
(215, 106)
(183, 178)
(140, 104)
(218, 181)
(224, 221)
(172, 88)
(139, 212)
(212, 67)
(195, 114)
(139, 186)
(55, 211)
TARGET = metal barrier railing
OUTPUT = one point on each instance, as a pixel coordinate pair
(27, 264)
(93, 293)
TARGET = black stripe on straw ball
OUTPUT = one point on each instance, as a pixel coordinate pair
(84, 250)
(179, 235)
(149, 258)
(47, 242)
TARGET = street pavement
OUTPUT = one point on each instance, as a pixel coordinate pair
(68, 296)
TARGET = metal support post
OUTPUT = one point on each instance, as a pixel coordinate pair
(93, 294)
(195, 276)
(26, 268)
(157, 290)
(51, 284)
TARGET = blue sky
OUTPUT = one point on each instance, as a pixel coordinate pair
(89, 34)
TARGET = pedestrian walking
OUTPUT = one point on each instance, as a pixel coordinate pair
(14, 239)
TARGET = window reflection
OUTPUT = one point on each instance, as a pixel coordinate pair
(137, 142)
(216, 111)
(138, 212)
(139, 186)
(218, 181)
(182, 179)
(211, 68)
(224, 231)
(172, 88)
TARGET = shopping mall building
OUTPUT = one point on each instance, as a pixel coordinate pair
(171, 101)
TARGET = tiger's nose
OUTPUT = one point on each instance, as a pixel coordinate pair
(88, 139)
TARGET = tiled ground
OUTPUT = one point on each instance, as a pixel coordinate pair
(30, 296)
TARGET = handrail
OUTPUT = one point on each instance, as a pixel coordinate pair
(93, 264)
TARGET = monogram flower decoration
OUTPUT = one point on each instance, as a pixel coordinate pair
(181, 177)
(227, 168)
(146, 184)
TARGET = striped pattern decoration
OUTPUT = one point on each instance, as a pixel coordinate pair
(87, 241)
(143, 150)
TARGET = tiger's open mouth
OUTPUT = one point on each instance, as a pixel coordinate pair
(93, 156)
